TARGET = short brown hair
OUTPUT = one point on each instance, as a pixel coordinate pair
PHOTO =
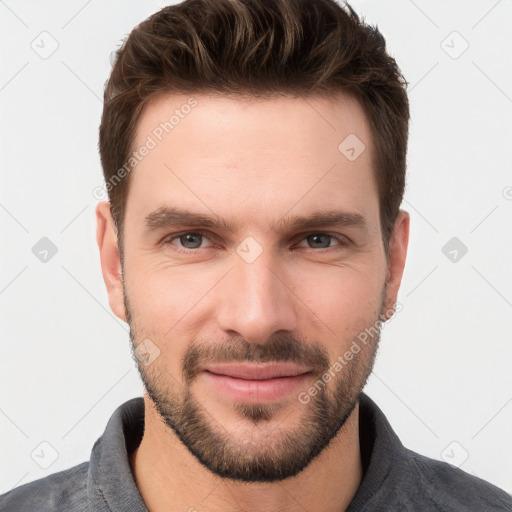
(258, 48)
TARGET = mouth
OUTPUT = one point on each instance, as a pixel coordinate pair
(256, 383)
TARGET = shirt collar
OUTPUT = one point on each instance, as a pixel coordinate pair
(383, 455)
(111, 486)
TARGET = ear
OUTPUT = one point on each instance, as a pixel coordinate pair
(106, 237)
(397, 254)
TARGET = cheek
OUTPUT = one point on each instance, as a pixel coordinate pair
(176, 304)
(167, 299)
(162, 304)
(345, 299)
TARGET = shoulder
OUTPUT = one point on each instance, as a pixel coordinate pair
(442, 486)
(65, 490)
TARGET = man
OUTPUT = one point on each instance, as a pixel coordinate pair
(254, 156)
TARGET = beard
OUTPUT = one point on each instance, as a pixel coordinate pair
(268, 452)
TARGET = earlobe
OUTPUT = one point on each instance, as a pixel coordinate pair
(397, 256)
(106, 237)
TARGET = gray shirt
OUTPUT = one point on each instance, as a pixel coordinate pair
(395, 479)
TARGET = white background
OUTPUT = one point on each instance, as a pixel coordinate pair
(443, 375)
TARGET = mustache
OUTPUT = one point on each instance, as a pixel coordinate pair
(280, 347)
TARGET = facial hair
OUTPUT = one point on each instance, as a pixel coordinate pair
(284, 452)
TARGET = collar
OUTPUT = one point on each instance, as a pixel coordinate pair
(111, 486)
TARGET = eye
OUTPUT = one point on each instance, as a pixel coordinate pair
(189, 240)
(323, 240)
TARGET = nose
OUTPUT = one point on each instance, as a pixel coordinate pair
(256, 300)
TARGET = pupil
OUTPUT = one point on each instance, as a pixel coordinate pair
(316, 239)
(190, 238)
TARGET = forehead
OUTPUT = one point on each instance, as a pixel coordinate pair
(252, 155)
(272, 122)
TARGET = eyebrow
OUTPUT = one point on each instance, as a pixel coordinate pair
(172, 217)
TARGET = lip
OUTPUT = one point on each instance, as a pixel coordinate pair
(252, 383)
(251, 371)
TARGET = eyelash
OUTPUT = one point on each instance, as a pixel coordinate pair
(342, 240)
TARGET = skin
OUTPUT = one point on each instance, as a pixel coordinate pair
(253, 162)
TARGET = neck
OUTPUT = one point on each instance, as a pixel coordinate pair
(169, 477)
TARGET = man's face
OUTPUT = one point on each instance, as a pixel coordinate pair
(257, 292)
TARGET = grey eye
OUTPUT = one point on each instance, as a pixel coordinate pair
(191, 240)
(319, 240)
